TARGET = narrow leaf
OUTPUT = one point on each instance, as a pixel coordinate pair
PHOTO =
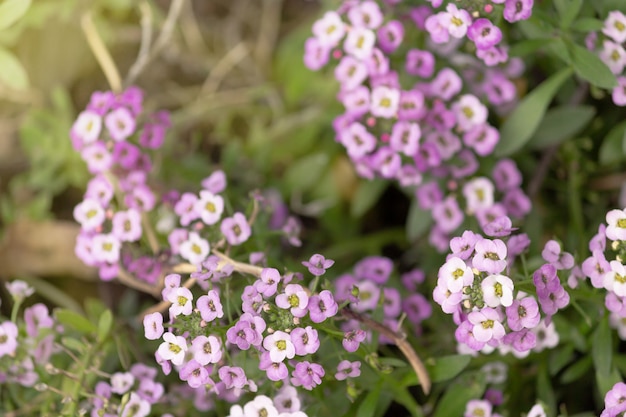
(611, 150)
(366, 196)
(560, 124)
(453, 402)
(305, 172)
(417, 222)
(590, 67)
(523, 122)
(602, 348)
(12, 73)
(74, 320)
(105, 324)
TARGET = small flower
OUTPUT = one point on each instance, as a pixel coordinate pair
(616, 225)
(484, 34)
(615, 279)
(194, 373)
(307, 375)
(456, 20)
(153, 326)
(195, 249)
(347, 369)
(384, 102)
(486, 325)
(181, 299)
(305, 340)
(232, 376)
(8, 338)
(210, 306)
(318, 265)
(87, 127)
(90, 214)
(330, 29)
(267, 283)
(490, 256)
(280, 346)
(322, 306)
(456, 274)
(295, 299)
(127, 225)
(497, 290)
(260, 406)
(235, 229)
(173, 348)
(209, 207)
(475, 408)
(206, 350)
(352, 340)
(136, 407)
(359, 43)
(120, 123)
(121, 382)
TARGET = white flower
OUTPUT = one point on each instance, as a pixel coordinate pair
(497, 290)
(87, 126)
(261, 406)
(194, 249)
(173, 349)
(616, 225)
(537, 411)
(478, 194)
(469, 112)
(280, 346)
(456, 274)
(181, 299)
(359, 43)
(615, 279)
(210, 207)
(89, 213)
(329, 29)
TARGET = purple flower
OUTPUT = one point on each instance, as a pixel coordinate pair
(420, 63)
(150, 390)
(127, 225)
(194, 373)
(206, 350)
(447, 214)
(120, 124)
(241, 334)
(615, 400)
(315, 54)
(463, 246)
(267, 284)
(347, 369)
(305, 340)
(322, 306)
(484, 33)
(37, 317)
(318, 265)
(352, 340)
(209, 207)
(417, 308)
(506, 175)
(546, 279)
(210, 306)
(136, 407)
(153, 325)
(121, 382)
(374, 268)
(232, 376)
(215, 183)
(90, 214)
(236, 229)
(515, 10)
(552, 253)
(307, 375)
(185, 208)
(276, 371)
(390, 36)
(522, 314)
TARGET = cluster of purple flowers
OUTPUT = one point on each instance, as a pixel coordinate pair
(26, 346)
(605, 267)
(612, 52)
(431, 134)
(367, 288)
(112, 136)
(285, 404)
(475, 287)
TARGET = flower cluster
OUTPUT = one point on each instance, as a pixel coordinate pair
(612, 52)
(26, 346)
(432, 133)
(112, 136)
(605, 267)
(475, 286)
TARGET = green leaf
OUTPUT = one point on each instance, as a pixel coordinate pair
(417, 221)
(606, 382)
(105, 323)
(305, 172)
(545, 392)
(523, 122)
(576, 370)
(590, 67)
(366, 196)
(368, 406)
(561, 123)
(453, 402)
(11, 11)
(559, 358)
(75, 320)
(602, 348)
(588, 24)
(13, 73)
(568, 10)
(529, 46)
(73, 344)
(611, 150)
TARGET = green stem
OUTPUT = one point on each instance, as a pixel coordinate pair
(70, 407)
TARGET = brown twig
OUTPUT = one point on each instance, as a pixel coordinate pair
(129, 280)
(399, 340)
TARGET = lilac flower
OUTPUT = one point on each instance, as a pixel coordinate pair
(286, 400)
(194, 373)
(552, 253)
(295, 299)
(185, 208)
(352, 340)
(173, 348)
(8, 338)
(522, 341)
(484, 34)
(490, 256)
(546, 278)
(595, 267)
(275, 371)
(318, 265)
(619, 92)
(500, 227)
(347, 369)
(267, 284)
(478, 194)
(449, 301)
(120, 124)
(322, 306)
(553, 301)
(411, 106)
(417, 308)
(215, 183)
(236, 229)
(446, 84)
(486, 325)
(374, 268)
(447, 214)
(241, 334)
(206, 350)
(357, 140)
(482, 138)
(357, 101)
(150, 390)
(307, 375)
(37, 317)
(420, 63)
(522, 314)
(232, 376)
(390, 36)
(210, 306)
(127, 225)
(367, 14)
(615, 278)
(437, 28)
(315, 54)
(126, 155)
(305, 340)
(506, 175)
(99, 189)
(153, 325)
(368, 296)
(615, 401)
(465, 334)
(456, 20)
(516, 10)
